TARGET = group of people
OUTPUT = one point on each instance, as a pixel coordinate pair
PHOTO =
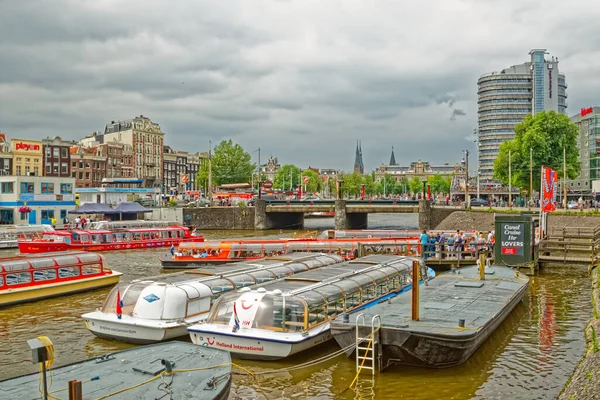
(456, 245)
(82, 222)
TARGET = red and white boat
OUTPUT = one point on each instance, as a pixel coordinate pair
(24, 279)
(105, 240)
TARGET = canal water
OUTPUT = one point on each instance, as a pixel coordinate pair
(530, 356)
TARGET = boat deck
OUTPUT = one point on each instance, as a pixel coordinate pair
(450, 297)
(127, 368)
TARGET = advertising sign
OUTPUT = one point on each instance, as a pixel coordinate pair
(512, 238)
(26, 146)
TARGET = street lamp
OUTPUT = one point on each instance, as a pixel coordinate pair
(424, 187)
(466, 162)
(477, 144)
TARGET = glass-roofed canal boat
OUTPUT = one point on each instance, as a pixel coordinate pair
(288, 316)
(24, 279)
(162, 307)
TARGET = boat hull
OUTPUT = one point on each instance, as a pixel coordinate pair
(260, 348)
(27, 294)
(132, 333)
(192, 263)
(34, 247)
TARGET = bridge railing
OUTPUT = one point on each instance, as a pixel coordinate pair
(467, 254)
(348, 202)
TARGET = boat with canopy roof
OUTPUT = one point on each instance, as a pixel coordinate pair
(24, 279)
(104, 240)
(288, 316)
(162, 307)
(192, 254)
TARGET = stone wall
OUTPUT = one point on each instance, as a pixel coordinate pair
(484, 221)
(219, 217)
(431, 216)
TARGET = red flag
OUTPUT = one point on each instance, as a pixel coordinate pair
(362, 193)
(119, 305)
(549, 184)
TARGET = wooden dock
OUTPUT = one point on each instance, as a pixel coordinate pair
(571, 245)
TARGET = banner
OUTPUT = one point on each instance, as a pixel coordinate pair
(549, 189)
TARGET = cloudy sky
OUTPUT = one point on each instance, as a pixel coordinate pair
(301, 79)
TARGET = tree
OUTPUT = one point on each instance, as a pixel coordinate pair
(332, 187)
(352, 182)
(314, 182)
(387, 184)
(230, 164)
(370, 185)
(283, 176)
(547, 135)
(416, 185)
(439, 184)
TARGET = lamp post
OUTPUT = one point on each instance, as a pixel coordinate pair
(477, 144)
(424, 188)
(340, 191)
(467, 196)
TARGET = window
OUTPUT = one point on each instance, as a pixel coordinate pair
(87, 175)
(55, 152)
(80, 175)
(87, 165)
(47, 188)
(36, 171)
(7, 187)
(80, 164)
(74, 175)
(27, 159)
(55, 168)
(26, 187)
(47, 214)
(23, 216)
(64, 152)
(47, 151)
(74, 164)
(27, 170)
(48, 167)
(18, 159)
(18, 170)
(36, 160)
(64, 168)
(63, 215)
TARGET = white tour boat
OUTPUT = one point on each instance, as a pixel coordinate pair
(162, 307)
(285, 317)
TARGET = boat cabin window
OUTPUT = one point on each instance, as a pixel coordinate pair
(68, 272)
(220, 285)
(126, 237)
(91, 269)
(1, 281)
(18, 278)
(96, 238)
(106, 238)
(242, 280)
(197, 306)
(47, 275)
(164, 234)
(76, 238)
(222, 310)
(136, 236)
(129, 296)
(261, 276)
(85, 238)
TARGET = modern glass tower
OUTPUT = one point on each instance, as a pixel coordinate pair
(506, 97)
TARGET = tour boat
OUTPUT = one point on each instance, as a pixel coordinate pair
(285, 317)
(25, 279)
(103, 240)
(162, 307)
(192, 254)
(9, 236)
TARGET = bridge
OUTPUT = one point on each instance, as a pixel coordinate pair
(349, 214)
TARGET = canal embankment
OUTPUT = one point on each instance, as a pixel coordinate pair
(585, 381)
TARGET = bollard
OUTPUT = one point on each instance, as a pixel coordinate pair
(482, 266)
(416, 266)
(461, 323)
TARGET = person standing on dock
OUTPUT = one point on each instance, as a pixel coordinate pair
(442, 244)
(172, 250)
(424, 244)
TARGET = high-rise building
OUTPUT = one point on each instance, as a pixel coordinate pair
(588, 122)
(508, 96)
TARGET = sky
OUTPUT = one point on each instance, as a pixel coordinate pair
(302, 80)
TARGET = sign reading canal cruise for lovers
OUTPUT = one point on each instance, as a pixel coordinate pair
(512, 238)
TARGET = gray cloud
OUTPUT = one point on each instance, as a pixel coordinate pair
(302, 79)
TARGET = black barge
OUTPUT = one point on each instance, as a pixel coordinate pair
(458, 311)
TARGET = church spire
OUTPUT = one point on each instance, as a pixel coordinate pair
(358, 160)
(393, 158)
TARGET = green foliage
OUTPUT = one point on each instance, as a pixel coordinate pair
(283, 175)
(439, 184)
(314, 182)
(387, 185)
(546, 134)
(595, 347)
(331, 186)
(230, 164)
(370, 185)
(352, 184)
(416, 185)
(172, 203)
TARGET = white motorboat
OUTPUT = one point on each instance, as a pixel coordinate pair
(162, 307)
(288, 316)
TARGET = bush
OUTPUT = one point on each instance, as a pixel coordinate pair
(241, 204)
(172, 203)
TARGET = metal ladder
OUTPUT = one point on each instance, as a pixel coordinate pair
(369, 350)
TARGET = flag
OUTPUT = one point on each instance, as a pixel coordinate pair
(549, 184)
(119, 305)
(236, 320)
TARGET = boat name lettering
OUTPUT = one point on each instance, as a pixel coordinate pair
(239, 347)
(108, 328)
(512, 244)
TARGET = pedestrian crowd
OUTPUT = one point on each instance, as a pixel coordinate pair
(457, 245)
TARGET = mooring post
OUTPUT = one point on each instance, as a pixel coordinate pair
(482, 266)
(416, 266)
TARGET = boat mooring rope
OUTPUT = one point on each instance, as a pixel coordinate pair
(48, 363)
